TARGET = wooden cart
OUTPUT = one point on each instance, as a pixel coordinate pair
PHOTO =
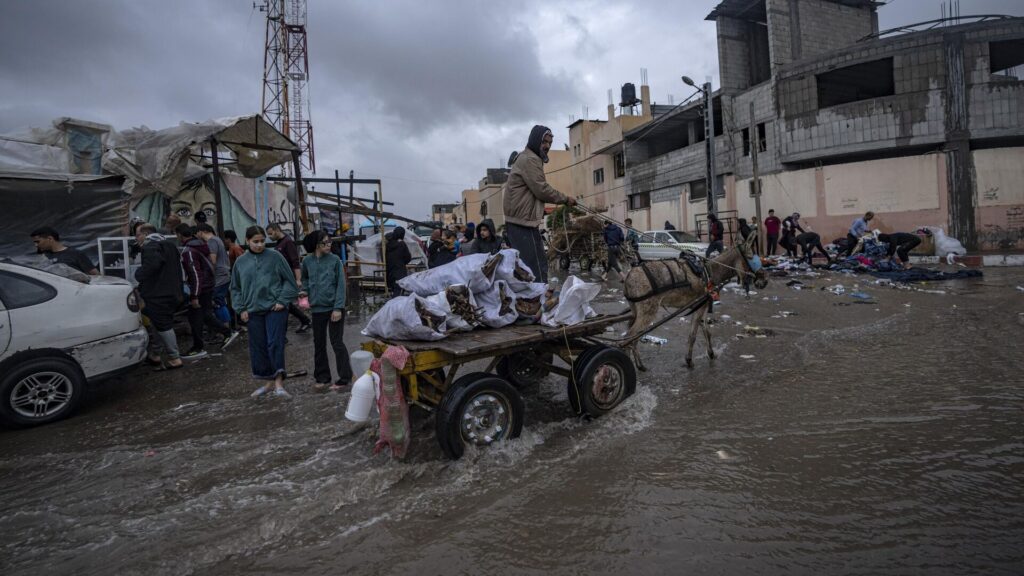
(586, 249)
(480, 408)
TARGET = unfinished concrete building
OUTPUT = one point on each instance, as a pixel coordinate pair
(924, 125)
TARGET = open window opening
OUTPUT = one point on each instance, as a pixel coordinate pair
(1006, 58)
(863, 81)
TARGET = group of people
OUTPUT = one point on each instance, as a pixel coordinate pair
(224, 288)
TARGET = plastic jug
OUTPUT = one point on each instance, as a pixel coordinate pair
(360, 361)
(364, 397)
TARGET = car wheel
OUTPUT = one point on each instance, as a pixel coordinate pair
(40, 391)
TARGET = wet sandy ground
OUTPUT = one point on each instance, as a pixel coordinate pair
(878, 438)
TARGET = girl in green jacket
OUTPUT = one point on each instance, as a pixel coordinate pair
(323, 281)
(262, 286)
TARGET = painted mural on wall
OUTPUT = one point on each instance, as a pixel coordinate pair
(245, 202)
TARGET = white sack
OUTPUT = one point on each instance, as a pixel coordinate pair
(530, 291)
(573, 303)
(490, 301)
(368, 250)
(946, 244)
(466, 270)
(453, 321)
(398, 320)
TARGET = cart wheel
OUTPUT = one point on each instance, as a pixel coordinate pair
(479, 409)
(520, 369)
(586, 263)
(564, 262)
(604, 377)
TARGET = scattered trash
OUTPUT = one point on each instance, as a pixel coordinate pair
(726, 317)
(1021, 288)
(654, 340)
(837, 289)
(931, 291)
(150, 453)
(185, 405)
(794, 283)
(723, 455)
(747, 356)
(758, 332)
(860, 295)
(787, 313)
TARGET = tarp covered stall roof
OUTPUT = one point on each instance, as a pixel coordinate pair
(81, 208)
(160, 159)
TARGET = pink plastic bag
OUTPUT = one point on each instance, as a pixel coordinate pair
(394, 412)
(303, 302)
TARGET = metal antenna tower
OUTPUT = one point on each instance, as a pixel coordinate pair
(285, 75)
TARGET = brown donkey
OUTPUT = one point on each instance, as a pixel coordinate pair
(673, 284)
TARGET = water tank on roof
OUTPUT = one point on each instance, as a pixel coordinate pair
(628, 95)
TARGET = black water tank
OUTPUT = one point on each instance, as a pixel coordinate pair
(628, 94)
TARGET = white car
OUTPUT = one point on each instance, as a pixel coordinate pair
(662, 244)
(56, 334)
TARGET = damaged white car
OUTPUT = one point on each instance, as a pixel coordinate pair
(56, 334)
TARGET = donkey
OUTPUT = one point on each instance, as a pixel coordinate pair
(674, 284)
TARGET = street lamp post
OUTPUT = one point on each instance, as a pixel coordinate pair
(709, 141)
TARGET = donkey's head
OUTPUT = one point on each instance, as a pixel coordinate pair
(746, 264)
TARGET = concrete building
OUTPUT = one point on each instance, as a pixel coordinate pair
(444, 213)
(923, 125)
(486, 200)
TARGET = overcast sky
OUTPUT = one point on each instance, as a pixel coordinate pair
(424, 97)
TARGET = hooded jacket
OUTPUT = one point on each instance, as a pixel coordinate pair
(397, 254)
(480, 246)
(199, 274)
(160, 277)
(613, 235)
(527, 188)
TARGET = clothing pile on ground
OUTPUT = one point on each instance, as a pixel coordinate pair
(479, 290)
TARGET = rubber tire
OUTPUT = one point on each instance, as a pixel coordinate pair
(588, 364)
(564, 262)
(577, 367)
(66, 367)
(448, 416)
(586, 263)
(506, 371)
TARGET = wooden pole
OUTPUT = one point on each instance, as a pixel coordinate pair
(217, 200)
(755, 143)
(300, 194)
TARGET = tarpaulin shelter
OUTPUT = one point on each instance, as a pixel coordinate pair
(82, 177)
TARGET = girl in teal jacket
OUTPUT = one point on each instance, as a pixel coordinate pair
(323, 281)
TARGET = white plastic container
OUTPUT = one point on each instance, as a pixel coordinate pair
(360, 361)
(364, 397)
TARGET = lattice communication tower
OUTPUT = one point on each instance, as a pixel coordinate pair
(285, 75)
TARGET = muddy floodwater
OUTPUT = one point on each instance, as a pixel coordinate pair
(877, 436)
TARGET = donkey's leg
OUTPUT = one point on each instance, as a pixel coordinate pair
(707, 336)
(644, 313)
(698, 318)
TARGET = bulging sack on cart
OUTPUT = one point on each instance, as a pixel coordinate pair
(512, 270)
(573, 303)
(462, 313)
(408, 318)
(499, 305)
(530, 301)
(477, 271)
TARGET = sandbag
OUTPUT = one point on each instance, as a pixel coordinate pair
(468, 270)
(573, 303)
(499, 305)
(408, 318)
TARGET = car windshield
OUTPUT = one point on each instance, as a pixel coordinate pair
(681, 237)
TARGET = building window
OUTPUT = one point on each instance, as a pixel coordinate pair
(854, 83)
(483, 208)
(746, 141)
(762, 138)
(599, 176)
(698, 190)
(640, 201)
(1005, 58)
(620, 165)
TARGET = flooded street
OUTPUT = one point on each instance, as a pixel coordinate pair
(881, 436)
